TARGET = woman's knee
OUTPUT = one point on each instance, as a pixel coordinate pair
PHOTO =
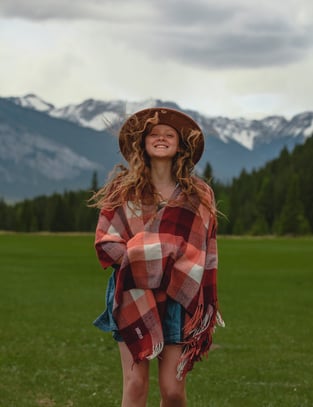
(135, 376)
(172, 394)
(136, 387)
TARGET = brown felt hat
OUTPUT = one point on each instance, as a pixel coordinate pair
(174, 118)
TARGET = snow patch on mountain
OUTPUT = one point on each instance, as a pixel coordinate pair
(32, 101)
(100, 115)
(132, 107)
(309, 130)
(97, 115)
(239, 130)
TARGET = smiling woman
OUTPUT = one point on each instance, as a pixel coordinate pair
(157, 229)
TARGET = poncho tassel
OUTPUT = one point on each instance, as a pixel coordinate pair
(193, 323)
(199, 339)
(157, 349)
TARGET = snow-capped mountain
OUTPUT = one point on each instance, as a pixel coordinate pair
(96, 114)
(248, 132)
(101, 115)
(45, 149)
(33, 102)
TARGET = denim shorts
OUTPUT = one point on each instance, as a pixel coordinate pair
(172, 322)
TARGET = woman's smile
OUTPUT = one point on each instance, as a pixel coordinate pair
(162, 142)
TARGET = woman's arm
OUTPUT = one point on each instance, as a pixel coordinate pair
(109, 243)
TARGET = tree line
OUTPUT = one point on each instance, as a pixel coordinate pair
(275, 199)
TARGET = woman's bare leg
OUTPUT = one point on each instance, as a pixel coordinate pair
(173, 391)
(135, 379)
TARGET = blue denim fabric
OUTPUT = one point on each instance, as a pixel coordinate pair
(172, 323)
(105, 321)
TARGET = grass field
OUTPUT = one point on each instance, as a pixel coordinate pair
(52, 288)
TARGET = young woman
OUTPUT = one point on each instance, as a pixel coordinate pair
(157, 229)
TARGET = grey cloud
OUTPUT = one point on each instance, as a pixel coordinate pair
(208, 35)
(240, 39)
(236, 51)
(187, 13)
(57, 9)
(182, 12)
(225, 49)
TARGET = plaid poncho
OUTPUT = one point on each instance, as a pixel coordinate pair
(169, 253)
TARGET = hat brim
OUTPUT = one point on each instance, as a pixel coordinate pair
(181, 122)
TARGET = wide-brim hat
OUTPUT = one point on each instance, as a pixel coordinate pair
(181, 122)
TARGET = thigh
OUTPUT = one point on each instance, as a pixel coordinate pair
(129, 367)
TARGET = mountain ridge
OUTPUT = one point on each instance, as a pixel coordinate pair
(44, 149)
(99, 115)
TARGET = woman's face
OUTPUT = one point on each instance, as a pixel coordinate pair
(162, 142)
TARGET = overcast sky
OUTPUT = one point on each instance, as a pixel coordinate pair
(228, 57)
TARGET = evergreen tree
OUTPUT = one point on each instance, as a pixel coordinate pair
(3, 215)
(265, 207)
(94, 181)
(208, 173)
(292, 219)
(303, 164)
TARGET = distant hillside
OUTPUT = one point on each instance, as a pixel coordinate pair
(40, 154)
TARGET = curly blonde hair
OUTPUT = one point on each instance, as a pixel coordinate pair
(135, 183)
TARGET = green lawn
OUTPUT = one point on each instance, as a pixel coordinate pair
(52, 288)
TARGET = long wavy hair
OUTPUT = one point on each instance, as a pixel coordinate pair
(135, 183)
